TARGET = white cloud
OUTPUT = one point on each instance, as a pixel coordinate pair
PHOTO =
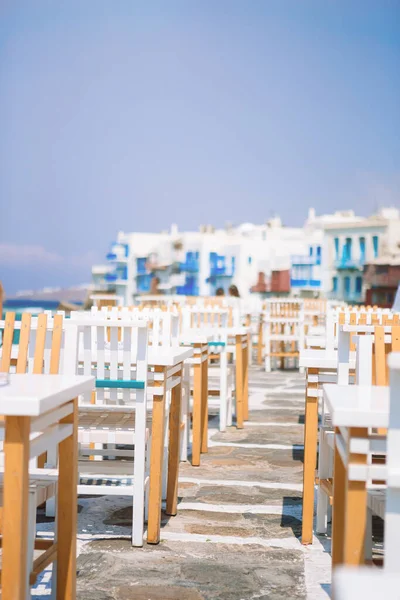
(21, 255)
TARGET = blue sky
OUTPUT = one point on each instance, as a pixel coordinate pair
(129, 114)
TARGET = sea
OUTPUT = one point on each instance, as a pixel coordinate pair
(20, 306)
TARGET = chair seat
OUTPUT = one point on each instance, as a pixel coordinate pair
(106, 477)
(105, 427)
(44, 489)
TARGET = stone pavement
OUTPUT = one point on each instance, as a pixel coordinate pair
(236, 535)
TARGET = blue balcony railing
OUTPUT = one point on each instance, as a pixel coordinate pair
(110, 277)
(353, 296)
(305, 283)
(190, 266)
(301, 260)
(111, 256)
(141, 266)
(349, 263)
(221, 266)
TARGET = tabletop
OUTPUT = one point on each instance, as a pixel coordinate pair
(357, 405)
(196, 336)
(165, 356)
(32, 395)
(323, 359)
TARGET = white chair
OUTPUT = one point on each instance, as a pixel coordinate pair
(213, 322)
(116, 413)
(283, 331)
(369, 583)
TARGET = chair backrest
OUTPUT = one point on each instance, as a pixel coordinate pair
(32, 345)
(196, 317)
(283, 308)
(372, 344)
(163, 324)
(119, 364)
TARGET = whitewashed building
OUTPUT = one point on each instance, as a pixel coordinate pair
(325, 257)
(350, 244)
(198, 263)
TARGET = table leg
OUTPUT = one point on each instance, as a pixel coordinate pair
(246, 380)
(356, 512)
(15, 575)
(204, 404)
(197, 395)
(260, 343)
(173, 448)
(338, 509)
(239, 383)
(156, 459)
(310, 461)
(67, 510)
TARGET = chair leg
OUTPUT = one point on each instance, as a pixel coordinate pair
(323, 473)
(156, 462)
(165, 459)
(30, 546)
(223, 407)
(139, 470)
(51, 463)
(368, 537)
(185, 405)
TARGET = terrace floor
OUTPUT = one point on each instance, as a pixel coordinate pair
(236, 535)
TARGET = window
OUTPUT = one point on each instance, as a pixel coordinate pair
(375, 244)
(334, 284)
(249, 260)
(336, 248)
(310, 251)
(318, 255)
(347, 249)
(346, 286)
(362, 249)
(358, 285)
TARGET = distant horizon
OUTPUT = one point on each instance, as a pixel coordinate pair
(135, 115)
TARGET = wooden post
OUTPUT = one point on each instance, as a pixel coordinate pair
(246, 380)
(173, 448)
(67, 510)
(260, 341)
(338, 509)
(156, 459)
(15, 578)
(239, 383)
(310, 461)
(197, 395)
(204, 401)
(356, 509)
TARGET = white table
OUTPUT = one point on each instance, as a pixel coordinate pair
(353, 409)
(25, 400)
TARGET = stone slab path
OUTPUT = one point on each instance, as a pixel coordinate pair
(236, 535)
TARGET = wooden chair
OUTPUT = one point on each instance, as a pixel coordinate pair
(37, 351)
(214, 323)
(372, 348)
(283, 331)
(367, 582)
(116, 413)
(321, 367)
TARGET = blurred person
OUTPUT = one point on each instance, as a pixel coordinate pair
(220, 292)
(233, 291)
